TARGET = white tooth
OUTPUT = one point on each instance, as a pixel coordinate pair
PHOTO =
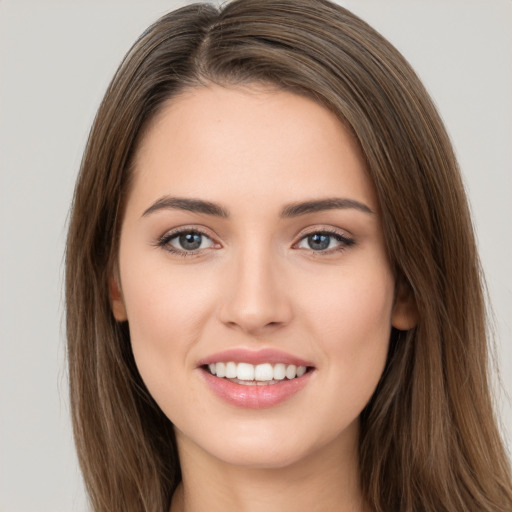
(212, 368)
(220, 369)
(301, 370)
(231, 370)
(264, 372)
(279, 371)
(291, 371)
(245, 371)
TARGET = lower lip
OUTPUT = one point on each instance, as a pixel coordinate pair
(255, 396)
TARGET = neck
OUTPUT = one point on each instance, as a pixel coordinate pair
(325, 480)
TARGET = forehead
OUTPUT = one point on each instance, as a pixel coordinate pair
(251, 143)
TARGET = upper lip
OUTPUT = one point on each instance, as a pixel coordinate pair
(259, 356)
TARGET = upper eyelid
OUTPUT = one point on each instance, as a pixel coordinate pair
(171, 233)
(345, 240)
(164, 241)
(203, 230)
(331, 230)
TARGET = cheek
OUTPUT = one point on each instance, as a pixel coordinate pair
(167, 311)
(351, 315)
(358, 309)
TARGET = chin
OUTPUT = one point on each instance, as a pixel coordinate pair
(270, 446)
(258, 457)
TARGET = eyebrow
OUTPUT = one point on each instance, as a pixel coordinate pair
(289, 211)
(333, 203)
(190, 205)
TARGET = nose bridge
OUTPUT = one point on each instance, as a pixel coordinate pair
(257, 298)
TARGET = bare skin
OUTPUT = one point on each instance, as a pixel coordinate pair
(314, 484)
(289, 256)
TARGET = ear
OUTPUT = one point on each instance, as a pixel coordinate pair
(405, 311)
(116, 300)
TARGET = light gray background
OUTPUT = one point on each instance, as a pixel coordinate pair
(56, 59)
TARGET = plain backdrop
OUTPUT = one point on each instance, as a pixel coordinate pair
(56, 59)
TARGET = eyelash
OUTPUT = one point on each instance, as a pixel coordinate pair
(164, 242)
(344, 241)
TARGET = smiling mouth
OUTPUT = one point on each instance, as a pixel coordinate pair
(267, 383)
(256, 375)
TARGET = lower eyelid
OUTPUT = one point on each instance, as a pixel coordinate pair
(342, 239)
(165, 240)
(176, 238)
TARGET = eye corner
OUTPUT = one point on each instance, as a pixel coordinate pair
(187, 241)
(320, 241)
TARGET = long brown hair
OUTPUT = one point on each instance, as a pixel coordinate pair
(428, 438)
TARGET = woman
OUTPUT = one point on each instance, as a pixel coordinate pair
(273, 291)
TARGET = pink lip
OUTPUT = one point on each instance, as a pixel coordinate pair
(254, 396)
(243, 355)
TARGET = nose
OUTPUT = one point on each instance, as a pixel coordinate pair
(255, 299)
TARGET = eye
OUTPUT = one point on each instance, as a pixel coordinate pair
(184, 242)
(324, 241)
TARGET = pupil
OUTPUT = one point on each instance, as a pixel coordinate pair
(318, 242)
(190, 241)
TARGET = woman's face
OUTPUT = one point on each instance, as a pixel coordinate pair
(252, 242)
